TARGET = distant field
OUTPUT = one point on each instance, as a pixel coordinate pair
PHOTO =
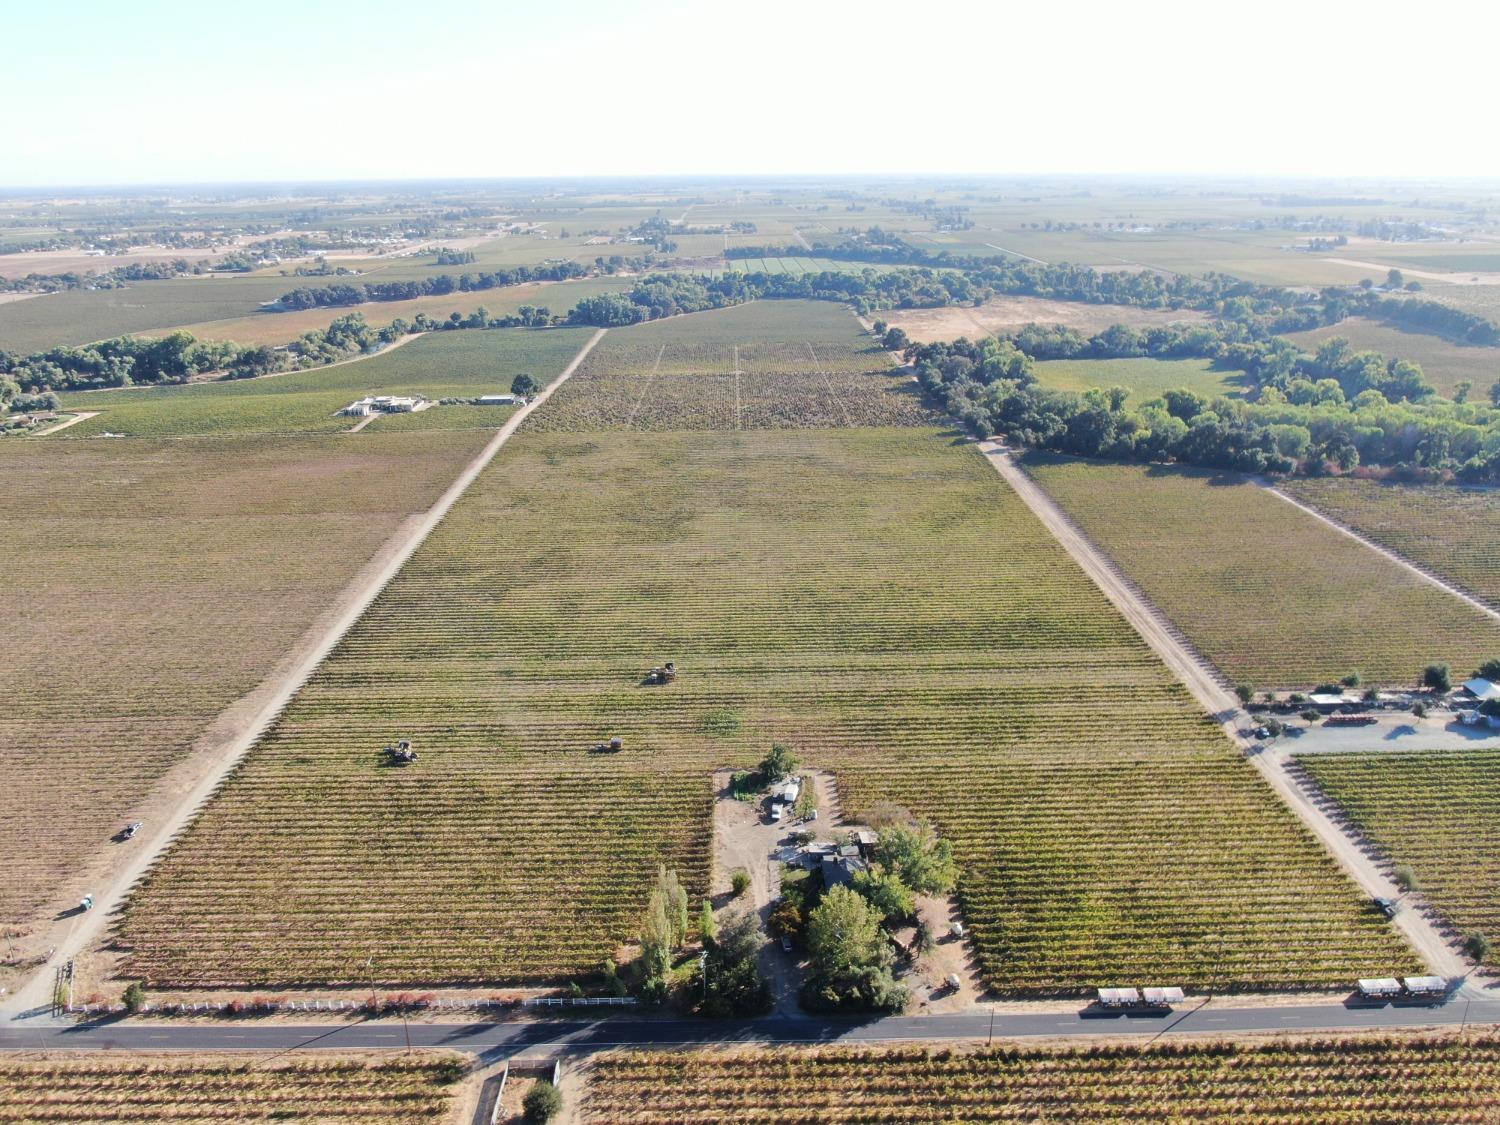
(1002, 315)
(1417, 1080)
(1436, 811)
(764, 365)
(1453, 532)
(459, 363)
(1481, 300)
(80, 316)
(222, 1088)
(796, 266)
(284, 327)
(1445, 364)
(1250, 255)
(1145, 379)
(875, 598)
(1269, 594)
(163, 581)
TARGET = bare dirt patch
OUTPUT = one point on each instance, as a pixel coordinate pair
(1009, 314)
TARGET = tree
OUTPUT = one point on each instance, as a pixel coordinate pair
(1489, 670)
(665, 924)
(1437, 677)
(1394, 279)
(1461, 391)
(915, 855)
(1406, 878)
(542, 1103)
(1495, 393)
(894, 340)
(1477, 946)
(707, 926)
(887, 894)
(1245, 692)
(844, 934)
(778, 764)
(523, 384)
(1352, 680)
(739, 881)
(135, 997)
(732, 984)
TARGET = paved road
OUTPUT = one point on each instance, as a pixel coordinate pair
(548, 1036)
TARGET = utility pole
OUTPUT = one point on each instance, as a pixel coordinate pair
(370, 975)
(703, 965)
(991, 1039)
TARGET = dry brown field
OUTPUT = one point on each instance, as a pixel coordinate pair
(154, 583)
(1009, 314)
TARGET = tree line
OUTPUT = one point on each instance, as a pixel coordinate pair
(439, 285)
(1335, 409)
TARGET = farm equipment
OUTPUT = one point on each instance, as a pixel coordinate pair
(129, 831)
(401, 754)
(666, 674)
(609, 747)
(86, 903)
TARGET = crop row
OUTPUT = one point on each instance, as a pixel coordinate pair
(877, 599)
(695, 373)
(1271, 595)
(1437, 812)
(1442, 1081)
(76, 1090)
(163, 580)
(1453, 532)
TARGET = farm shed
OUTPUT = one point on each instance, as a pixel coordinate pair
(498, 400)
(787, 792)
(1481, 689)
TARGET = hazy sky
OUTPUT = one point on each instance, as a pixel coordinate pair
(150, 91)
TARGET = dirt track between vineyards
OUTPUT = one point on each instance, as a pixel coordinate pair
(229, 738)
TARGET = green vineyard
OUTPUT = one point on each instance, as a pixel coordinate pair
(1436, 812)
(1416, 1081)
(1452, 532)
(876, 598)
(1270, 595)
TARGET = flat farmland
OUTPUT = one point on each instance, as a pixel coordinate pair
(1145, 379)
(765, 365)
(458, 363)
(876, 598)
(1435, 811)
(80, 316)
(1452, 532)
(1004, 315)
(1445, 365)
(164, 581)
(1432, 1080)
(284, 327)
(212, 1089)
(1270, 595)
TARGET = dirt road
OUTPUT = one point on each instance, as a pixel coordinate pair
(221, 747)
(1206, 687)
(81, 416)
(1344, 529)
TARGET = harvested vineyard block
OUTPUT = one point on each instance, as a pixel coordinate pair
(878, 599)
